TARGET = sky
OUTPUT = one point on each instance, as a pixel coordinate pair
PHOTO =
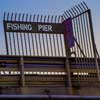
(47, 7)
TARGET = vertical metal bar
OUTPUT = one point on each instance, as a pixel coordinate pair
(32, 38)
(13, 39)
(46, 39)
(40, 35)
(47, 42)
(5, 33)
(25, 39)
(25, 51)
(58, 45)
(53, 42)
(29, 39)
(54, 39)
(35, 51)
(50, 39)
(88, 31)
(19, 47)
(58, 38)
(43, 39)
(10, 44)
(40, 44)
(62, 48)
(36, 40)
(21, 35)
(63, 39)
(17, 36)
(93, 42)
(11, 35)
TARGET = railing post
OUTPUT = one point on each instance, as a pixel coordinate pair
(22, 71)
(68, 75)
(22, 74)
(67, 68)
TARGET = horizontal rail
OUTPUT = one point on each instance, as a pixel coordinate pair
(46, 70)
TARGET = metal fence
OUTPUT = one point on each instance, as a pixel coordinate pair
(84, 38)
(34, 44)
(82, 30)
(51, 44)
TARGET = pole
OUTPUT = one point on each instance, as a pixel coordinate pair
(67, 67)
(22, 72)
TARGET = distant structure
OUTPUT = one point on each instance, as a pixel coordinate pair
(50, 56)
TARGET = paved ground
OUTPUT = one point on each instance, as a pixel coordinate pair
(46, 97)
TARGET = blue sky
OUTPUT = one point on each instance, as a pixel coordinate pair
(47, 7)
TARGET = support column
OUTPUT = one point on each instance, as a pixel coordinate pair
(22, 75)
(68, 76)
